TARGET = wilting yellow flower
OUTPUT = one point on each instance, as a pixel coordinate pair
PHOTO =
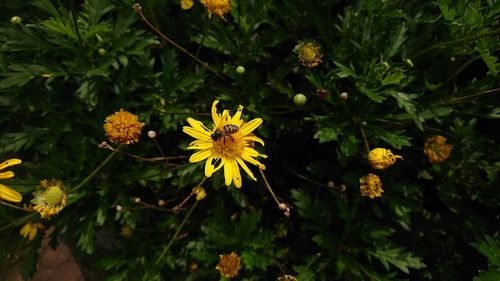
(200, 193)
(286, 277)
(51, 199)
(381, 158)
(186, 4)
(7, 193)
(228, 265)
(218, 7)
(227, 145)
(309, 55)
(371, 186)
(436, 149)
(123, 127)
(29, 230)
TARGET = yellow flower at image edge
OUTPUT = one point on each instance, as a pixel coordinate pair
(381, 158)
(229, 144)
(228, 265)
(51, 199)
(30, 229)
(218, 7)
(123, 127)
(436, 149)
(186, 4)
(7, 193)
(370, 186)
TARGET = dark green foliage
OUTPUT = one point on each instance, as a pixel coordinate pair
(393, 74)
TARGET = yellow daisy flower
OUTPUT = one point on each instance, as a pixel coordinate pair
(436, 149)
(381, 158)
(30, 229)
(228, 265)
(7, 193)
(218, 7)
(51, 200)
(229, 144)
(309, 54)
(371, 186)
(122, 127)
(186, 4)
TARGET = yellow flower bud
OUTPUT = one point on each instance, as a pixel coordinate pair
(381, 158)
(228, 265)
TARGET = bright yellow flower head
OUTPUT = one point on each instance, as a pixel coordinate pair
(51, 200)
(309, 55)
(436, 149)
(227, 145)
(381, 158)
(7, 193)
(29, 230)
(186, 4)
(371, 186)
(228, 265)
(218, 7)
(123, 127)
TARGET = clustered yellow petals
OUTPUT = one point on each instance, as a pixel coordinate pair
(51, 199)
(371, 186)
(7, 193)
(381, 158)
(123, 127)
(286, 277)
(199, 192)
(436, 149)
(222, 149)
(186, 4)
(218, 7)
(30, 229)
(228, 265)
(309, 54)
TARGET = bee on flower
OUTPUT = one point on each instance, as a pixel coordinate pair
(381, 158)
(7, 193)
(228, 265)
(30, 229)
(217, 7)
(229, 144)
(309, 54)
(51, 199)
(370, 186)
(436, 149)
(123, 127)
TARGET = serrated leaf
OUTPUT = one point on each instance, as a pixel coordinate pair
(398, 258)
(397, 41)
(393, 78)
(373, 94)
(343, 71)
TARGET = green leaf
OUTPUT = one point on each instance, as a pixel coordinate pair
(490, 248)
(393, 78)
(343, 71)
(397, 257)
(397, 41)
(373, 94)
(411, 107)
(394, 138)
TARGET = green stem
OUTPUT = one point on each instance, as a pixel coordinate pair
(365, 140)
(176, 233)
(468, 38)
(200, 45)
(103, 163)
(13, 206)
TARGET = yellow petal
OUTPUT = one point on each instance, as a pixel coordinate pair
(201, 144)
(6, 175)
(186, 4)
(209, 166)
(253, 138)
(245, 156)
(245, 168)
(201, 135)
(250, 126)
(197, 125)
(10, 194)
(236, 173)
(32, 233)
(200, 156)
(10, 162)
(25, 230)
(215, 115)
(236, 120)
(228, 173)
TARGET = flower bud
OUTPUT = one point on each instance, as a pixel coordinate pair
(299, 99)
(381, 158)
(16, 20)
(151, 134)
(240, 69)
(344, 95)
(101, 51)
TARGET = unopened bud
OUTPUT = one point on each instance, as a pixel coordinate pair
(151, 134)
(409, 63)
(137, 199)
(330, 184)
(161, 203)
(363, 123)
(322, 93)
(344, 95)
(240, 69)
(119, 208)
(385, 65)
(16, 20)
(453, 59)
(101, 51)
(103, 144)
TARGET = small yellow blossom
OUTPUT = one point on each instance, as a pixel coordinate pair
(123, 127)
(218, 7)
(228, 265)
(186, 4)
(286, 277)
(127, 231)
(51, 199)
(371, 186)
(308, 53)
(381, 158)
(200, 193)
(7, 193)
(225, 149)
(30, 229)
(436, 149)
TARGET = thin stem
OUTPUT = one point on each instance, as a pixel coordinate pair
(200, 45)
(468, 38)
(307, 179)
(138, 10)
(266, 183)
(178, 207)
(25, 218)
(154, 159)
(14, 206)
(365, 140)
(176, 233)
(150, 8)
(492, 91)
(103, 163)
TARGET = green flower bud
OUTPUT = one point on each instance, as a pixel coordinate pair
(299, 99)
(240, 69)
(101, 51)
(16, 20)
